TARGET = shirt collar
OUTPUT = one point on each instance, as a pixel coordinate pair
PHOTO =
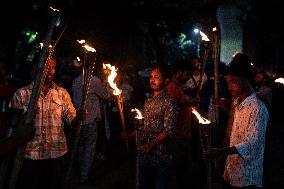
(247, 101)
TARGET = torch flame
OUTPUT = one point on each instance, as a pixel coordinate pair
(139, 114)
(82, 41)
(201, 119)
(54, 9)
(203, 36)
(111, 78)
(279, 80)
(88, 48)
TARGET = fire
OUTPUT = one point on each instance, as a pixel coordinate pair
(139, 114)
(87, 47)
(54, 9)
(82, 41)
(279, 80)
(111, 78)
(201, 119)
(203, 36)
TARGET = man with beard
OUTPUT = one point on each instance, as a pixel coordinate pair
(153, 138)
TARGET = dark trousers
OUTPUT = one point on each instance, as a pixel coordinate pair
(41, 174)
(155, 177)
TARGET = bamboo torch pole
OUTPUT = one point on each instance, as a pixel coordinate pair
(38, 82)
(87, 75)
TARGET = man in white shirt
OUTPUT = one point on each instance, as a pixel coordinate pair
(244, 164)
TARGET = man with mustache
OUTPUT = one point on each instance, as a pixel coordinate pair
(153, 138)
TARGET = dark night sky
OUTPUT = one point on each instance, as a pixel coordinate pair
(110, 20)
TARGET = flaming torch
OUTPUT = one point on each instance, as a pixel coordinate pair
(116, 92)
(205, 57)
(204, 144)
(138, 117)
(279, 80)
(89, 67)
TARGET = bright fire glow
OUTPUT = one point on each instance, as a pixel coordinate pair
(55, 10)
(214, 29)
(88, 48)
(203, 36)
(139, 114)
(82, 41)
(111, 77)
(201, 119)
(279, 80)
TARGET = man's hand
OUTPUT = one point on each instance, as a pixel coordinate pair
(212, 153)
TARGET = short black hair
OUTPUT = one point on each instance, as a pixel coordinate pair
(241, 66)
(164, 70)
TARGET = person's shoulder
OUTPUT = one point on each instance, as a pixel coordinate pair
(24, 88)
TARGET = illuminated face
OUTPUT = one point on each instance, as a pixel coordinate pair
(258, 78)
(50, 70)
(156, 80)
(196, 63)
(234, 87)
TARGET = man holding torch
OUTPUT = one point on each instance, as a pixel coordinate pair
(153, 138)
(245, 153)
(88, 135)
(45, 153)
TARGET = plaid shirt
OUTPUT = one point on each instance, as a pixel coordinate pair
(51, 112)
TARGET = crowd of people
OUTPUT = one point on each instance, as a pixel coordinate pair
(169, 144)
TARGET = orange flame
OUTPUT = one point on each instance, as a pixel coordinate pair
(139, 114)
(87, 47)
(279, 80)
(203, 36)
(111, 78)
(201, 119)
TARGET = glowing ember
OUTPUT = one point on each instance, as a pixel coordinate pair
(139, 114)
(279, 80)
(88, 48)
(111, 78)
(201, 119)
(203, 36)
(82, 41)
(55, 10)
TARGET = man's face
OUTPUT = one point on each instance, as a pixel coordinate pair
(196, 63)
(234, 87)
(50, 70)
(156, 80)
(258, 78)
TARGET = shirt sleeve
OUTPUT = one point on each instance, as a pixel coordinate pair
(255, 134)
(69, 112)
